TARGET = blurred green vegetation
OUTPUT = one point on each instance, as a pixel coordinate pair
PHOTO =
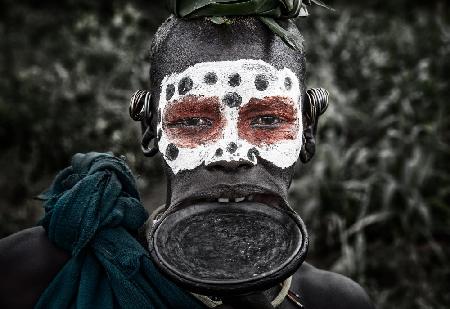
(375, 197)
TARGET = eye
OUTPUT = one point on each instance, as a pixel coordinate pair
(266, 122)
(199, 122)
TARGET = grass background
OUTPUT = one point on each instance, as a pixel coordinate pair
(375, 197)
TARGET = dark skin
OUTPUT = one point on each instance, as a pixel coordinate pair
(29, 262)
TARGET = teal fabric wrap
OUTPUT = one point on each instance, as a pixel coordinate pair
(92, 210)
(268, 11)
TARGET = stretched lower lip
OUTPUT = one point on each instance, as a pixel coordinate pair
(201, 230)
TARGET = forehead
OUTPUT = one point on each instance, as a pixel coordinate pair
(180, 44)
(234, 82)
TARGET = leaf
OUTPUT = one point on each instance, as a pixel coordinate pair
(270, 8)
(289, 38)
(186, 8)
(303, 12)
(266, 10)
(320, 3)
(367, 221)
(218, 20)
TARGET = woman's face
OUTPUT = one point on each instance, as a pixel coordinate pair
(238, 112)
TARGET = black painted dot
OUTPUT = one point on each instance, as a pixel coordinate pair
(172, 152)
(232, 147)
(232, 99)
(210, 78)
(158, 138)
(235, 80)
(185, 85)
(170, 91)
(261, 82)
(252, 154)
(288, 83)
(219, 152)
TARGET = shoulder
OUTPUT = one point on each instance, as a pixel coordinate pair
(28, 263)
(323, 289)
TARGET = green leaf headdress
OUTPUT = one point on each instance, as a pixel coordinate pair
(266, 10)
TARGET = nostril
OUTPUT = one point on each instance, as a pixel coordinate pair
(252, 154)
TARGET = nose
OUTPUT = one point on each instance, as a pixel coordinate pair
(230, 166)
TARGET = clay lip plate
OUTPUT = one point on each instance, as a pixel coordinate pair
(219, 244)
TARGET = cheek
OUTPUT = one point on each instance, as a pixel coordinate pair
(278, 107)
(193, 107)
(194, 137)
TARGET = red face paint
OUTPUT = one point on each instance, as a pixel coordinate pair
(194, 121)
(267, 121)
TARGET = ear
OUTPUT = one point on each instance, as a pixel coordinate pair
(316, 103)
(140, 110)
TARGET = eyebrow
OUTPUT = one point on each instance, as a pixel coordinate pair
(191, 105)
(280, 105)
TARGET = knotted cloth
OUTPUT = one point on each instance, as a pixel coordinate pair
(92, 210)
(266, 10)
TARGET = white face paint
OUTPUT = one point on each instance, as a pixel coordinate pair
(230, 111)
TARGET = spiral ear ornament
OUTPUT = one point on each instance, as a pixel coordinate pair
(140, 110)
(139, 105)
(317, 104)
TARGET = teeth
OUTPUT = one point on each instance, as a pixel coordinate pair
(237, 199)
